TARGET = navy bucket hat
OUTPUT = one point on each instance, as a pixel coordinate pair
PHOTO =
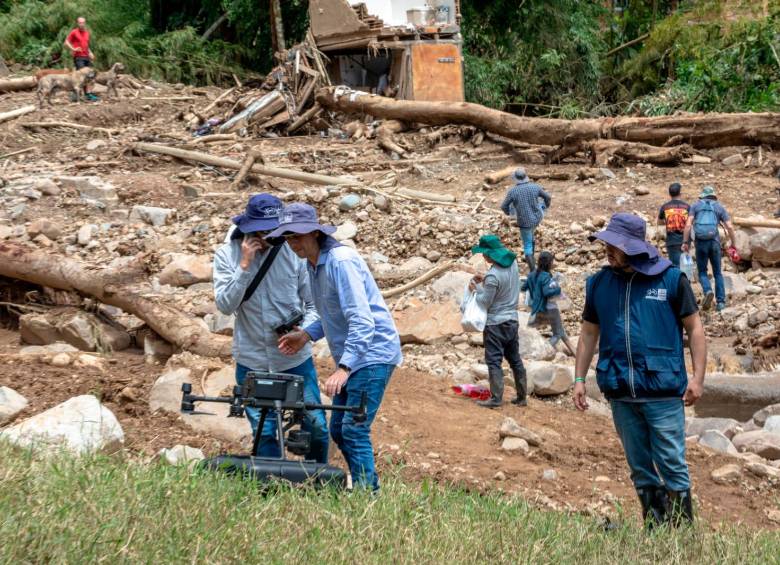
(261, 214)
(300, 218)
(627, 232)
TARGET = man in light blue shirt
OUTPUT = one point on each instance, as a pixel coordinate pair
(283, 291)
(357, 325)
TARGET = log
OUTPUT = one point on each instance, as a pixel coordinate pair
(251, 157)
(230, 164)
(429, 196)
(15, 84)
(71, 125)
(606, 152)
(384, 136)
(504, 174)
(215, 137)
(305, 117)
(701, 131)
(55, 271)
(217, 100)
(437, 270)
(5, 116)
(756, 223)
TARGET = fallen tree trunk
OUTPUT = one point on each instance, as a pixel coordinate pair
(697, 130)
(756, 223)
(54, 271)
(437, 270)
(15, 84)
(5, 116)
(606, 152)
(230, 164)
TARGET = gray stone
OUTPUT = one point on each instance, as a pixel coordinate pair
(733, 160)
(765, 246)
(11, 403)
(641, 190)
(433, 256)
(762, 470)
(80, 425)
(738, 397)
(533, 344)
(184, 270)
(82, 330)
(550, 379)
(345, 231)
(156, 349)
(515, 445)
(50, 349)
(462, 376)
(44, 226)
(95, 144)
(763, 415)
(717, 441)
(166, 390)
(451, 284)
(510, 428)
(477, 340)
(549, 475)
(152, 215)
(85, 233)
(760, 442)
(180, 455)
(91, 189)
(349, 202)
(607, 173)
(479, 370)
(382, 203)
(726, 474)
(772, 424)
(220, 323)
(47, 187)
(697, 426)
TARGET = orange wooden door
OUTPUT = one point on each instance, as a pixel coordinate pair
(437, 72)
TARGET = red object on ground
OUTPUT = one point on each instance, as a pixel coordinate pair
(734, 254)
(80, 42)
(477, 392)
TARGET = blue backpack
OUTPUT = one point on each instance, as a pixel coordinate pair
(705, 222)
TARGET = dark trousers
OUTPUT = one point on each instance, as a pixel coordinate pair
(674, 252)
(501, 342)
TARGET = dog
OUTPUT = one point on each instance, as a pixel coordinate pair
(46, 72)
(110, 77)
(73, 82)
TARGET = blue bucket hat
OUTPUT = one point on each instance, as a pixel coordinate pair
(261, 214)
(627, 232)
(300, 218)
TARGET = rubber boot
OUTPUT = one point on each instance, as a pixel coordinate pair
(496, 378)
(521, 386)
(654, 504)
(680, 508)
(529, 259)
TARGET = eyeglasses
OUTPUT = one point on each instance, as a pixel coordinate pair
(292, 236)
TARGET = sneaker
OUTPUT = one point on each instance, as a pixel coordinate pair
(91, 97)
(707, 302)
(721, 306)
(520, 402)
(489, 403)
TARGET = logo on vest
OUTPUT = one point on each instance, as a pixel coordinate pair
(656, 294)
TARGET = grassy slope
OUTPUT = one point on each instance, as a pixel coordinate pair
(82, 511)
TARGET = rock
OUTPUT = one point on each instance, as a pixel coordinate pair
(774, 515)
(433, 256)
(641, 190)
(738, 397)
(575, 228)
(479, 370)
(733, 160)
(46, 227)
(760, 442)
(451, 284)
(717, 441)
(726, 474)
(765, 246)
(730, 364)
(499, 476)
(345, 231)
(607, 173)
(416, 265)
(84, 360)
(757, 318)
(60, 360)
(185, 270)
(477, 339)
(180, 455)
(697, 426)
(549, 475)
(762, 470)
(47, 186)
(50, 349)
(462, 376)
(82, 330)
(533, 344)
(36, 329)
(763, 415)
(11, 403)
(166, 390)
(152, 215)
(772, 424)
(95, 144)
(736, 284)
(349, 202)
(79, 425)
(515, 445)
(220, 323)
(156, 349)
(428, 323)
(92, 189)
(550, 379)
(510, 428)
(382, 203)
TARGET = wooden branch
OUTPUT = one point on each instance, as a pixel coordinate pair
(251, 157)
(169, 98)
(5, 116)
(429, 196)
(437, 270)
(305, 117)
(33, 125)
(384, 136)
(213, 27)
(215, 137)
(217, 100)
(230, 164)
(505, 173)
(757, 223)
(627, 44)
(12, 153)
(15, 84)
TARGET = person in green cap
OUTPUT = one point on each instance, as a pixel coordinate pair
(498, 291)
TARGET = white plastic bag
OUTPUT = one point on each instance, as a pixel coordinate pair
(474, 317)
(686, 266)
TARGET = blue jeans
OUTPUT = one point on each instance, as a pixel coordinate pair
(708, 251)
(653, 438)
(314, 421)
(674, 252)
(354, 438)
(527, 235)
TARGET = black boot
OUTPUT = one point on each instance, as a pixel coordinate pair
(529, 259)
(680, 508)
(654, 505)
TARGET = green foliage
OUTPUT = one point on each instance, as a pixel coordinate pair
(103, 509)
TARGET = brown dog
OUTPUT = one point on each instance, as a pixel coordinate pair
(73, 82)
(110, 77)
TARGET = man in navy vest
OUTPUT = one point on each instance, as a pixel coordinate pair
(643, 303)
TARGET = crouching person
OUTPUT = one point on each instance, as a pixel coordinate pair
(357, 325)
(264, 285)
(636, 310)
(498, 296)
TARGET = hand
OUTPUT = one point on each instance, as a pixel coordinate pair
(685, 247)
(693, 392)
(293, 342)
(475, 280)
(580, 397)
(249, 248)
(336, 382)
(91, 56)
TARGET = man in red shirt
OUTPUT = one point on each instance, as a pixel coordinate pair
(78, 43)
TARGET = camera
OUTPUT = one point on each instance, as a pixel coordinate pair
(289, 324)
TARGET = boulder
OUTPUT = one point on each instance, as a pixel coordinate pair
(736, 285)
(50, 229)
(738, 397)
(220, 323)
(349, 202)
(726, 474)
(697, 426)
(762, 470)
(763, 415)
(772, 424)
(742, 243)
(451, 284)
(760, 442)
(510, 428)
(415, 265)
(718, 441)
(184, 270)
(156, 349)
(152, 215)
(428, 323)
(36, 329)
(765, 246)
(92, 189)
(515, 445)
(82, 330)
(166, 390)
(11, 403)
(46, 350)
(79, 425)
(85, 233)
(550, 379)
(180, 455)
(533, 345)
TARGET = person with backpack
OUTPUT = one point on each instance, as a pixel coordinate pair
(543, 290)
(704, 218)
(674, 215)
(264, 285)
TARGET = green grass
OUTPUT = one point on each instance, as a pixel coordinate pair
(102, 509)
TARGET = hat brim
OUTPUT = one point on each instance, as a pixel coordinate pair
(643, 257)
(248, 225)
(301, 228)
(502, 256)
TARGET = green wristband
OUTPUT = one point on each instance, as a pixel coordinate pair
(579, 380)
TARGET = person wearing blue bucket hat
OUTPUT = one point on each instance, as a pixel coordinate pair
(264, 284)
(636, 310)
(357, 325)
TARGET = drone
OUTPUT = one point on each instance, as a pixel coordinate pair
(281, 393)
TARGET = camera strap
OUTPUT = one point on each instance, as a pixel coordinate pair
(261, 273)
